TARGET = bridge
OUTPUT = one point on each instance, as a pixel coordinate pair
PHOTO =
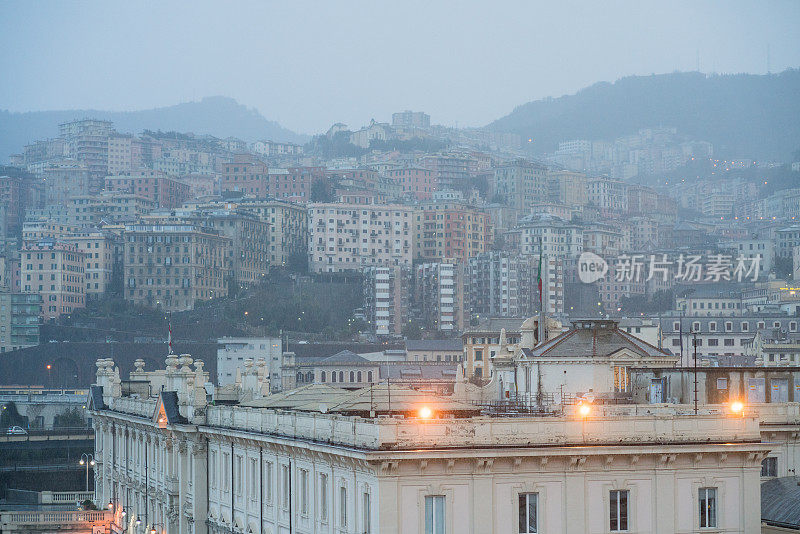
(56, 435)
(74, 521)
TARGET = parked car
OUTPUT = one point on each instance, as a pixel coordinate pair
(18, 430)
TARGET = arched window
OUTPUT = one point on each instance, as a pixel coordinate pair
(322, 376)
(352, 376)
(369, 376)
(333, 376)
(299, 378)
(341, 376)
(359, 376)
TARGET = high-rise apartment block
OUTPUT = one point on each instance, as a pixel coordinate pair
(350, 237)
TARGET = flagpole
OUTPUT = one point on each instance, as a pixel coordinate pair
(169, 338)
(541, 291)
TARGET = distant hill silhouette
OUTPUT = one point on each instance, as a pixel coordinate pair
(219, 116)
(743, 115)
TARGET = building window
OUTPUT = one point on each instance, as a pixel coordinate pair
(323, 497)
(304, 492)
(708, 507)
(285, 486)
(268, 482)
(618, 518)
(528, 520)
(434, 514)
(212, 470)
(478, 355)
(366, 518)
(769, 467)
(342, 506)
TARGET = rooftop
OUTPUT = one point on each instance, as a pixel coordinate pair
(594, 338)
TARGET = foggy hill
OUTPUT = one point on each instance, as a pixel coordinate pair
(217, 115)
(743, 115)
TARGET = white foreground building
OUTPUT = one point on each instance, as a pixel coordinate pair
(388, 460)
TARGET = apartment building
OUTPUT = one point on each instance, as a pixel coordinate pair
(108, 206)
(288, 228)
(439, 295)
(173, 266)
(56, 271)
(98, 247)
(558, 239)
(520, 184)
(415, 182)
(719, 336)
(248, 235)
(234, 352)
(127, 153)
(293, 183)
(502, 285)
(387, 291)
(450, 170)
(786, 240)
(568, 187)
(350, 237)
(609, 196)
(151, 184)
(246, 174)
(19, 320)
(450, 229)
(63, 181)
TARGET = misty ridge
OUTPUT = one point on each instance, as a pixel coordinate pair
(745, 115)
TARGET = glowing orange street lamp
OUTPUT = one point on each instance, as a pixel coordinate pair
(737, 407)
(425, 412)
(584, 410)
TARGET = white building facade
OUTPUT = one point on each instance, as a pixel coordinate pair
(174, 464)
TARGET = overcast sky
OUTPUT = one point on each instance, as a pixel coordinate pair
(310, 64)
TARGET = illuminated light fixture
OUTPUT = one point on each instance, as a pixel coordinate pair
(737, 407)
(110, 505)
(124, 513)
(138, 522)
(584, 410)
(425, 412)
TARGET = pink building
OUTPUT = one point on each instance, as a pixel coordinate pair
(56, 271)
(415, 181)
(153, 185)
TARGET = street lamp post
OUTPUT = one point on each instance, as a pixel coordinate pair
(86, 461)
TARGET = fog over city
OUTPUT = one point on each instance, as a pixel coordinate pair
(307, 64)
(353, 267)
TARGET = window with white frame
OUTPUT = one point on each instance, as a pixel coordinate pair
(342, 506)
(238, 474)
(304, 491)
(618, 510)
(708, 507)
(323, 497)
(434, 514)
(285, 486)
(226, 472)
(366, 519)
(212, 469)
(254, 479)
(528, 513)
(268, 482)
